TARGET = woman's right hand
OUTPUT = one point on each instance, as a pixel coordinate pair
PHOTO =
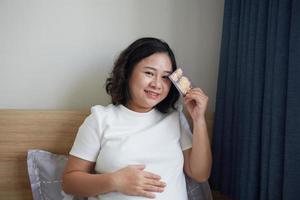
(134, 181)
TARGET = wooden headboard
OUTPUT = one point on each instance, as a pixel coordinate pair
(20, 130)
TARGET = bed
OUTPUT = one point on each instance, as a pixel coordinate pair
(21, 130)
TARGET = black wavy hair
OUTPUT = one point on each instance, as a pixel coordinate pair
(117, 84)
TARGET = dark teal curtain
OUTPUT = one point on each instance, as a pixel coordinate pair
(256, 143)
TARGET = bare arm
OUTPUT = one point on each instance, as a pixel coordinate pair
(79, 180)
(198, 159)
(132, 180)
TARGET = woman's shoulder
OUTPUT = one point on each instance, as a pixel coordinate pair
(100, 111)
(98, 114)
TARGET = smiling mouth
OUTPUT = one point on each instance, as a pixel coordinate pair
(152, 94)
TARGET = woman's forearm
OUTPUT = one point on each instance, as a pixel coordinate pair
(84, 184)
(200, 157)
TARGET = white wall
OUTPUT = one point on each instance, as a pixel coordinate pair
(56, 54)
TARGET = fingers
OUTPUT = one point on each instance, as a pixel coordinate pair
(153, 180)
(152, 183)
(151, 188)
(151, 175)
(134, 180)
(197, 97)
(196, 91)
(155, 183)
(195, 94)
(146, 174)
(146, 194)
(140, 191)
(139, 167)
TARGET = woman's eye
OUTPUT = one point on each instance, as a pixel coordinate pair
(166, 78)
(149, 73)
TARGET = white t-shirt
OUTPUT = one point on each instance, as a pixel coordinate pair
(115, 137)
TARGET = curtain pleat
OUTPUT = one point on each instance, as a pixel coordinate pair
(255, 134)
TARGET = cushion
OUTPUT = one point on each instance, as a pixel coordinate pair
(197, 191)
(45, 172)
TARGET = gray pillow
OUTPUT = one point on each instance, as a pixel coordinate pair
(45, 171)
(197, 191)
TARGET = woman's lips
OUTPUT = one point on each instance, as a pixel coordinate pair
(151, 94)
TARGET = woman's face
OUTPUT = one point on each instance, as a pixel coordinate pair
(149, 83)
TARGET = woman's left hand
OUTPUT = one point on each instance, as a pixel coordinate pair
(196, 101)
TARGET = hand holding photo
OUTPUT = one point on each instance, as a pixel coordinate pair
(181, 82)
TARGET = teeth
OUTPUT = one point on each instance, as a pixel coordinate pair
(152, 93)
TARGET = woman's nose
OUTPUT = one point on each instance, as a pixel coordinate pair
(156, 83)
